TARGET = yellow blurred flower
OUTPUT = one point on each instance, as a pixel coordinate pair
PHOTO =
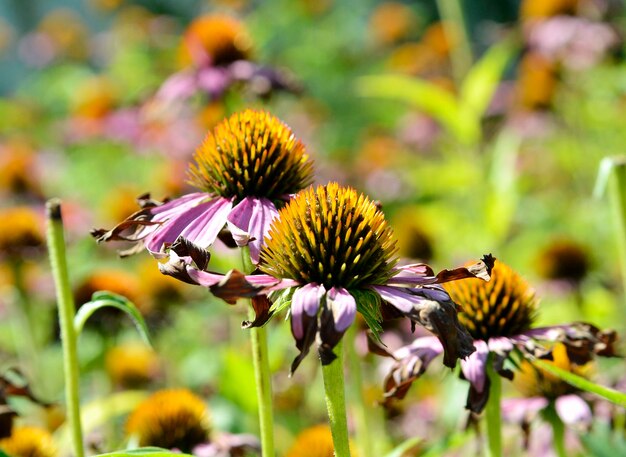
(132, 365)
(21, 231)
(316, 441)
(392, 21)
(174, 418)
(536, 82)
(94, 98)
(532, 9)
(223, 39)
(29, 442)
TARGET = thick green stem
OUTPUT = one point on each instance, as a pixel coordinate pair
(362, 413)
(453, 19)
(336, 403)
(65, 303)
(558, 430)
(492, 412)
(262, 374)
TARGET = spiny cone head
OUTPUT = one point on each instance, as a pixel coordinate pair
(504, 306)
(20, 229)
(316, 441)
(222, 37)
(533, 381)
(564, 260)
(330, 235)
(131, 365)
(29, 442)
(251, 153)
(169, 419)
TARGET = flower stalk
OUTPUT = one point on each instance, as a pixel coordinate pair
(493, 415)
(558, 430)
(262, 374)
(336, 402)
(617, 189)
(65, 303)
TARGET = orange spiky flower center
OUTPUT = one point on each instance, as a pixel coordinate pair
(330, 235)
(504, 306)
(170, 419)
(252, 153)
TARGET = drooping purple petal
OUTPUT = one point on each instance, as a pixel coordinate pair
(200, 224)
(343, 306)
(573, 410)
(582, 340)
(143, 224)
(436, 313)
(213, 80)
(337, 315)
(411, 362)
(305, 301)
(250, 221)
(475, 366)
(178, 87)
(522, 410)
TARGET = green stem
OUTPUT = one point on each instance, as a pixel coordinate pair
(492, 412)
(362, 413)
(65, 301)
(617, 188)
(262, 374)
(558, 430)
(451, 14)
(336, 403)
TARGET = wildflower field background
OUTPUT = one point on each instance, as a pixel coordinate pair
(476, 127)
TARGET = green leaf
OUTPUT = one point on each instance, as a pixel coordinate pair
(103, 299)
(482, 80)
(434, 101)
(368, 304)
(150, 451)
(602, 441)
(407, 445)
(281, 299)
(581, 383)
(2, 454)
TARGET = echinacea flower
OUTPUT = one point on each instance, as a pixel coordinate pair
(316, 441)
(171, 419)
(542, 389)
(21, 232)
(247, 167)
(216, 54)
(333, 250)
(132, 365)
(179, 420)
(29, 442)
(499, 316)
(548, 396)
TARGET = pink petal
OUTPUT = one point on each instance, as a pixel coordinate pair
(343, 306)
(474, 367)
(200, 222)
(305, 300)
(521, 410)
(250, 221)
(572, 409)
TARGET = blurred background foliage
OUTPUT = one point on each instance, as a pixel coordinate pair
(479, 129)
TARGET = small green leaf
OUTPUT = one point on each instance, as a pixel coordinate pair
(368, 304)
(482, 80)
(407, 445)
(281, 299)
(581, 383)
(434, 101)
(103, 299)
(2, 454)
(148, 451)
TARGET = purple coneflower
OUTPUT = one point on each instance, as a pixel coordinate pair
(558, 402)
(247, 167)
(332, 254)
(498, 315)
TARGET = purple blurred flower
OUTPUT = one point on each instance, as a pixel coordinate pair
(332, 253)
(251, 163)
(498, 315)
(576, 42)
